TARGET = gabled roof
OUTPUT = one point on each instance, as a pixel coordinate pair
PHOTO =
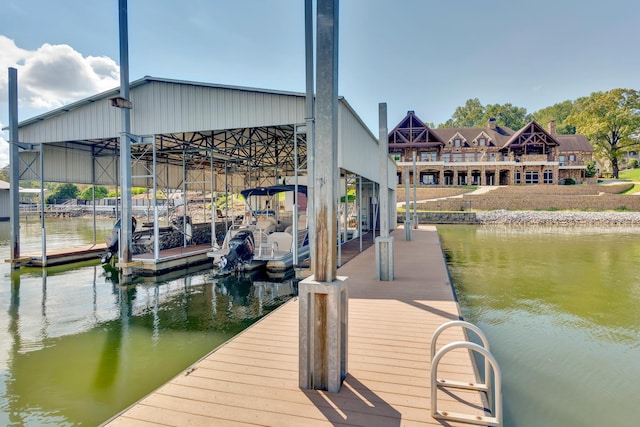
(531, 134)
(412, 132)
(498, 136)
(574, 143)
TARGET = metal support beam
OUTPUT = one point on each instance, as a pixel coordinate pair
(323, 296)
(415, 197)
(384, 243)
(125, 146)
(14, 167)
(326, 150)
(310, 128)
(43, 226)
(408, 231)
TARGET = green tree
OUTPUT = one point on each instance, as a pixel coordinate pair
(610, 120)
(506, 115)
(591, 169)
(474, 114)
(467, 116)
(558, 112)
(63, 192)
(4, 173)
(87, 194)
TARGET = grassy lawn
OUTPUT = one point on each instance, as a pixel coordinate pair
(632, 174)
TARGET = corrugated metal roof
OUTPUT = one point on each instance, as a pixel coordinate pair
(200, 116)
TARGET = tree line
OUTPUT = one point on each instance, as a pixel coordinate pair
(610, 121)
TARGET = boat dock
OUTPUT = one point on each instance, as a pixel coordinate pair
(253, 378)
(62, 256)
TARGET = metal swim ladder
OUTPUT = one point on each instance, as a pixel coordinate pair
(485, 387)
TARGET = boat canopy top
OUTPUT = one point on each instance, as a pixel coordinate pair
(274, 189)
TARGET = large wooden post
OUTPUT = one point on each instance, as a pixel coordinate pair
(323, 296)
(384, 242)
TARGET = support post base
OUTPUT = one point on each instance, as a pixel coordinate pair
(384, 258)
(323, 333)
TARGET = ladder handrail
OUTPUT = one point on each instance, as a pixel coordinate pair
(464, 325)
(496, 373)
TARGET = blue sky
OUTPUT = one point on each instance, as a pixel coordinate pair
(422, 55)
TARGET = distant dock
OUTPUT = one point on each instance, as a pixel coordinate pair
(253, 379)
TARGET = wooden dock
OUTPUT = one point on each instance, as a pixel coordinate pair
(253, 379)
(62, 256)
(173, 259)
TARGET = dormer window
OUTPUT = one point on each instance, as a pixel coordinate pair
(457, 143)
(482, 142)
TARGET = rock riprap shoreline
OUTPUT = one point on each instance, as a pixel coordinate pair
(558, 218)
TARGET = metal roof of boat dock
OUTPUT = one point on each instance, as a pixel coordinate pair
(251, 127)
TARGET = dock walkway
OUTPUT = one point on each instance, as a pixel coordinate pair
(253, 379)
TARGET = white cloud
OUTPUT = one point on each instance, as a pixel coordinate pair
(54, 75)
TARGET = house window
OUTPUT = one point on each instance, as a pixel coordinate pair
(456, 143)
(572, 157)
(482, 142)
(469, 157)
(548, 176)
(561, 160)
(492, 157)
(396, 156)
(516, 177)
(531, 177)
(446, 157)
(457, 157)
(428, 179)
(429, 156)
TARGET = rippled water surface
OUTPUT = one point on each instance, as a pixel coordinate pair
(76, 348)
(561, 310)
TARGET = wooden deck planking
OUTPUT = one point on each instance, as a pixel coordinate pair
(253, 379)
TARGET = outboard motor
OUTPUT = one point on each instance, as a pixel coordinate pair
(241, 247)
(112, 244)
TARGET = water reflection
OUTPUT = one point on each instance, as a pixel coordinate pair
(79, 347)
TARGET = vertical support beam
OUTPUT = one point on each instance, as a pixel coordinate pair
(93, 194)
(184, 198)
(295, 196)
(326, 152)
(415, 197)
(125, 144)
(384, 243)
(383, 164)
(323, 296)
(408, 231)
(212, 189)
(43, 228)
(310, 122)
(14, 167)
(156, 216)
(360, 211)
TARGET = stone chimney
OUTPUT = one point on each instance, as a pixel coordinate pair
(552, 128)
(492, 123)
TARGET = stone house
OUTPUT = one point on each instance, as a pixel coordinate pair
(492, 155)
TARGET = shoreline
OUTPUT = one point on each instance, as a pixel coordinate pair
(507, 217)
(557, 218)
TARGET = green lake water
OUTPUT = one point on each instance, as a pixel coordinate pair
(76, 348)
(561, 310)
